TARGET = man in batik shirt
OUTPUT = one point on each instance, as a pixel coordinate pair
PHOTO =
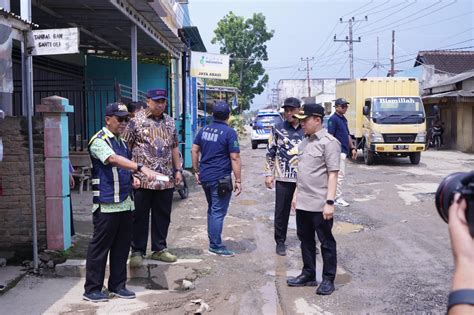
(153, 139)
(281, 165)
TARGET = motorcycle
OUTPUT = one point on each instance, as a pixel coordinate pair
(182, 188)
(436, 134)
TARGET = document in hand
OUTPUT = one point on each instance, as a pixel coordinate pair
(162, 178)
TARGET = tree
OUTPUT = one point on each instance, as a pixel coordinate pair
(244, 41)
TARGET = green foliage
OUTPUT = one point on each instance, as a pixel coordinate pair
(244, 41)
(238, 123)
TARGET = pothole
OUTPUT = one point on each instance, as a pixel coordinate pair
(344, 228)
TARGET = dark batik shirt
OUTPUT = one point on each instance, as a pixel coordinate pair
(152, 141)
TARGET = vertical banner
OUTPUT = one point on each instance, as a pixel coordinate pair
(6, 75)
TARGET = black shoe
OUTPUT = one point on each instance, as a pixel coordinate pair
(281, 249)
(326, 287)
(302, 281)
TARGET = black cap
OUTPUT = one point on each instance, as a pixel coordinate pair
(116, 109)
(292, 102)
(341, 101)
(310, 109)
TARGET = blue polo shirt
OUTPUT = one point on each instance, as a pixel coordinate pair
(337, 126)
(217, 141)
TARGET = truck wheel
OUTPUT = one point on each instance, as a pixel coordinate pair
(415, 158)
(254, 145)
(369, 156)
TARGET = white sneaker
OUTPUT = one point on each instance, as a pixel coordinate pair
(341, 203)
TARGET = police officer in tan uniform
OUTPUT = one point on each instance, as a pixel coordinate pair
(318, 164)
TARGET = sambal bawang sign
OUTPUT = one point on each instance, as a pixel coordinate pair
(53, 41)
(209, 66)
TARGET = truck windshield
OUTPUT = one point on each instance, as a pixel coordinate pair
(401, 110)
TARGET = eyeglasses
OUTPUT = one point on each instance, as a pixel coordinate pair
(122, 119)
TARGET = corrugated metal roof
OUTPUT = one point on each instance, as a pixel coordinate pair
(461, 93)
(191, 33)
(103, 27)
(453, 80)
(18, 18)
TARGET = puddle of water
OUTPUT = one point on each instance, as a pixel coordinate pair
(344, 228)
(270, 299)
(248, 202)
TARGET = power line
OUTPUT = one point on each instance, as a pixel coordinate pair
(353, 11)
(391, 26)
(278, 68)
(385, 17)
(335, 52)
(386, 9)
(465, 41)
(342, 67)
(439, 48)
(377, 6)
(324, 54)
(327, 38)
(295, 72)
(373, 67)
(435, 23)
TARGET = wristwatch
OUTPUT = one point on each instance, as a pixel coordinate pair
(178, 170)
(139, 167)
(330, 202)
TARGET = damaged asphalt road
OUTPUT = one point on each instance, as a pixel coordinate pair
(393, 252)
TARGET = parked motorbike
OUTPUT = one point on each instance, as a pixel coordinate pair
(182, 188)
(436, 133)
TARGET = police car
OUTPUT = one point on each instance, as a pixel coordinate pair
(262, 126)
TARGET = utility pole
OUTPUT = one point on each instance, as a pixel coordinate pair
(350, 39)
(392, 58)
(307, 69)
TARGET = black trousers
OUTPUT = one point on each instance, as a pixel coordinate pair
(307, 223)
(112, 235)
(159, 202)
(283, 198)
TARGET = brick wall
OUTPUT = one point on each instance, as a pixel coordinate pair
(15, 201)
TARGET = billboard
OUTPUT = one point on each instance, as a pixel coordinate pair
(209, 66)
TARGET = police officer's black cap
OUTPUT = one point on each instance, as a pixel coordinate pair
(310, 109)
(341, 101)
(292, 102)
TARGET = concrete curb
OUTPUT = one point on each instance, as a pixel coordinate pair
(10, 276)
(77, 267)
(161, 274)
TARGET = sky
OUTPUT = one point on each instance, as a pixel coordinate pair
(306, 29)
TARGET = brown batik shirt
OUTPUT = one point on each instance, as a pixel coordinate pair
(152, 141)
